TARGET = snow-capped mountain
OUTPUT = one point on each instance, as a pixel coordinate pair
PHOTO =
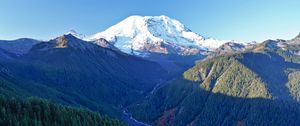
(141, 35)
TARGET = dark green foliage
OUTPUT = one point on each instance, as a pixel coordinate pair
(38, 112)
(228, 76)
(294, 84)
(63, 71)
(193, 105)
(163, 99)
(256, 87)
(251, 88)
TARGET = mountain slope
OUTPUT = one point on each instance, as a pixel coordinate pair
(256, 87)
(19, 46)
(76, 72)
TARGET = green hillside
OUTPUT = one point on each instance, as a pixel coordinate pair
(256, 87)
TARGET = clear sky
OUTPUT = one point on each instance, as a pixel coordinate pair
(243, 20)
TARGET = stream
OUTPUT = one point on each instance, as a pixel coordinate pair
(132, 121)
(127, 116)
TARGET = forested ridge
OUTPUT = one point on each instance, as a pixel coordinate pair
(39, 112)
(259, 87)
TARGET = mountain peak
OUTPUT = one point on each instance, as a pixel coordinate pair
(63, 41)
(156, 34)
(137, 17)
(163, 16)
(295, 40)
(68, 41)
(75, 34)
(298, 36)
(72, 32)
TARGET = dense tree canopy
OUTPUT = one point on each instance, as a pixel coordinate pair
(39, 112)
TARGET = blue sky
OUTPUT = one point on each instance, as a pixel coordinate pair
(222, 19)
